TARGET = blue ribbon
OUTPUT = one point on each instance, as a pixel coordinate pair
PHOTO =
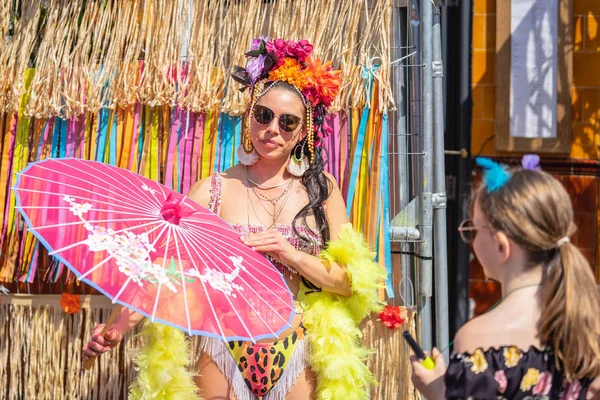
(62, 149)
(360, 142)
(385, 188)
(102, 131)
(55, 138)
(227, 140)
(368, 74)
(112, 155)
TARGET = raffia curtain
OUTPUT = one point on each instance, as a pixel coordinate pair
(40, 355)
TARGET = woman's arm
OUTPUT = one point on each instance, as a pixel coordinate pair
(329, 276)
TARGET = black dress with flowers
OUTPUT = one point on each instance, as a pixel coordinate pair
(509, 373)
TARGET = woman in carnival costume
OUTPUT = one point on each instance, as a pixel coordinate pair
(287, 207)
(543, 340)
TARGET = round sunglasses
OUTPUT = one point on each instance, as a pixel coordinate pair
(468, 231)
(287, 122)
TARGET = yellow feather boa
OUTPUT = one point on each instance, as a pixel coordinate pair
(331, 322)
(336, 355)
(162, 366)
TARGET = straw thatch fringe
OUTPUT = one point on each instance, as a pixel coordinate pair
(390, 363)
(40, 356)
(93, 54)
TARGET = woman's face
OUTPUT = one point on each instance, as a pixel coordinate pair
(269, 139)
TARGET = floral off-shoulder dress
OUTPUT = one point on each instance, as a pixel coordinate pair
(510, 373)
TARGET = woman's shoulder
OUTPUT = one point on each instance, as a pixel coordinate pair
(475, 334)
(201, 190)
(237, 172)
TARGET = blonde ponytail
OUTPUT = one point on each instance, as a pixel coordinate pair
(570, 321)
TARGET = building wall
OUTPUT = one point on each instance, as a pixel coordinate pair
(579, 172)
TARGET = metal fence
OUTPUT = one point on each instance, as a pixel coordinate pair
(418, 201)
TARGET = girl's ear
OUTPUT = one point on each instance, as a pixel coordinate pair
(504, 246)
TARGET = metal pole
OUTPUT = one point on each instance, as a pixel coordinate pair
(426, 211)
(403, 166)
(439, 196)
(414, 76)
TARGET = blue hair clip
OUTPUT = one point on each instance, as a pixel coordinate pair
(495, 175)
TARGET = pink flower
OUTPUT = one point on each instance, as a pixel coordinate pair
(287, 48)
(570, 391)
(277, 47)
(500, 377)
(544, 384)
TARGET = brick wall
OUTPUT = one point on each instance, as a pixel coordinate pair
(585, 131)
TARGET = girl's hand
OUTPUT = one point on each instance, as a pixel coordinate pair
(272, 243)
(429, 382)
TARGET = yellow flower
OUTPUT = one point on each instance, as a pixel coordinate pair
(531, 378)
(479, 362)
(512, 356)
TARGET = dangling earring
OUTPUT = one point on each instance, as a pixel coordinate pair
(310, 139)
(245, 151)
(297, 166)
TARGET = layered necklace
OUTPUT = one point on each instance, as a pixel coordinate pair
(277, 203)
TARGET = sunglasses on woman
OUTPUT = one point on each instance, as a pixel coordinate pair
(468, 231)
(287, 122)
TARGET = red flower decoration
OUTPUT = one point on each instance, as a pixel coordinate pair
(391, 317)
(70, 303)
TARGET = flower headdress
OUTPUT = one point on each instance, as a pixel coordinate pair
(273, 60)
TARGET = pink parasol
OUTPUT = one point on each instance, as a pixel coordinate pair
(153, 250)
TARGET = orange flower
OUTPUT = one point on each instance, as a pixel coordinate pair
(324, 81)
(70, 303)
(291, 71)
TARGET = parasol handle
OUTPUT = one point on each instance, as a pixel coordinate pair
(89, 363)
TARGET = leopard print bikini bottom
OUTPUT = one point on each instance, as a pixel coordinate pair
(260, 370)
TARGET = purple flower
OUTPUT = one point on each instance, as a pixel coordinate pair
(531, 161)
(257, 42)
(255, 67)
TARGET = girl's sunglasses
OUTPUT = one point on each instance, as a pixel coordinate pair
(468, 231)
(287, 122)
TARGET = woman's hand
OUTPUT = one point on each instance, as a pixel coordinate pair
(99, 344)
(272, 243)
(429, 382)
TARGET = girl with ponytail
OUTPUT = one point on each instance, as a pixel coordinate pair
(543, 340)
